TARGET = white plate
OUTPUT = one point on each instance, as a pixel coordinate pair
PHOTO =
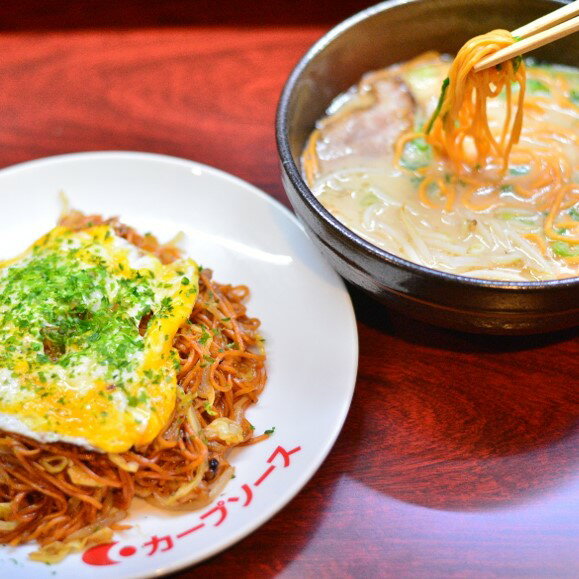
(307, 319)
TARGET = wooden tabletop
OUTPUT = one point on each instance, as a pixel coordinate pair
(460, 454)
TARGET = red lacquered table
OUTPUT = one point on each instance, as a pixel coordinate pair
(460, 454)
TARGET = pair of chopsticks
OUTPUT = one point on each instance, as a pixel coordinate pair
(544, 30)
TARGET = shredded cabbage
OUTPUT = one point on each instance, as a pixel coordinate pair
(224, 429)
(56, 551)
(78, 477)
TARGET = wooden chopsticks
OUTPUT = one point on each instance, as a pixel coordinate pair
(544, 30)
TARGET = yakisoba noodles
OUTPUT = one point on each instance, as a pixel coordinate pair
(479, 179)
(66, 496)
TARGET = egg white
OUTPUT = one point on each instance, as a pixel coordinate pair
(93, 394)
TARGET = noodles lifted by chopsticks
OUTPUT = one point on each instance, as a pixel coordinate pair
(461, 114)
(484, 183)
(460, 131)
(66, 497)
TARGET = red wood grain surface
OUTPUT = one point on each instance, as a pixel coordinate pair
(460, 454)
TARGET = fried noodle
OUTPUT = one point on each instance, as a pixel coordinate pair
(65, 497)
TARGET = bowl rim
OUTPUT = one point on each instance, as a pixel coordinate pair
(295, 176)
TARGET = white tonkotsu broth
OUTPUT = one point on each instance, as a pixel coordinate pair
(495, 231)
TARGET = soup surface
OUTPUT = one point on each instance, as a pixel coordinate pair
(366, 164)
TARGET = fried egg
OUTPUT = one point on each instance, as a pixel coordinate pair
(87, 322)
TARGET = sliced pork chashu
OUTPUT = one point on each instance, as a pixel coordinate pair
(366, 129)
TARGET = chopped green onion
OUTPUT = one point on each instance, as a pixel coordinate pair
(536, 86)
(417, 153)
(368, 199)
(518, 170)
(441, 98)
(564, 249)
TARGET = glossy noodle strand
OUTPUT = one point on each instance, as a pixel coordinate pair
(478, 179)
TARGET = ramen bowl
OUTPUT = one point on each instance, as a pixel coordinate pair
(379, 36)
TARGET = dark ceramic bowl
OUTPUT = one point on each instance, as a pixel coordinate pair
(377, 37)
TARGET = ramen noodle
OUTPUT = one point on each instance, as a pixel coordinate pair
(480, 180)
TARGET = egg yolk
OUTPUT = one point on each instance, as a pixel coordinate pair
(87, 323)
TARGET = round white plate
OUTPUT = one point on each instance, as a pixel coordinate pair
(307, 319)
